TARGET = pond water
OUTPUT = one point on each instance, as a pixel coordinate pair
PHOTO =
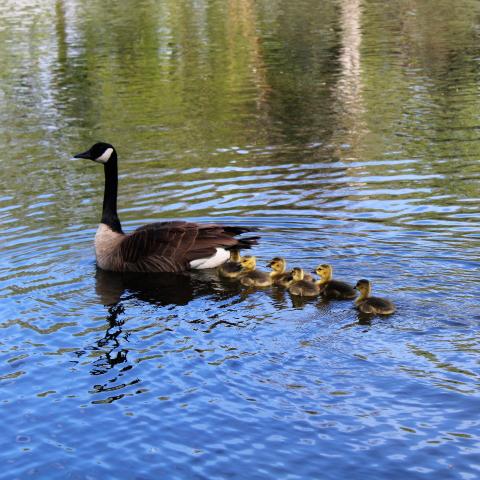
(348, 131)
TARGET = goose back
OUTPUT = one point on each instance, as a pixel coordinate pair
(339, 290)
(376, 305)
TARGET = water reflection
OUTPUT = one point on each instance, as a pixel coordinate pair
(112, 345)
(348, 90)
(161, 289)
(116, 290)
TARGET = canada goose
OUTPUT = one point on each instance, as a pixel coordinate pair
(172, 246)
(333, 288)
(252, 277)
(302, 287)
(373, 305)
(232, 268)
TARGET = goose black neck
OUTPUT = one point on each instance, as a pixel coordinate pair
(109, 213)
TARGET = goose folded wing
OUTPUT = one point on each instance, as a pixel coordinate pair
(171, 246)
(162, 243)
(209, 238)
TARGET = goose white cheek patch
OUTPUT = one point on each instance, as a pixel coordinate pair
(105, 156)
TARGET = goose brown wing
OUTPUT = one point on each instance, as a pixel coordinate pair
(159, 246)
(171, 246)
(209, 238)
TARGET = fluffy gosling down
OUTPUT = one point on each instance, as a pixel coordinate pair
(279, 273)
(372, 305)
(232, 268)
(251, 277)
(302, 287)
(331, 288)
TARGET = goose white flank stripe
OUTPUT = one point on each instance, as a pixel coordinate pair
(216, 260)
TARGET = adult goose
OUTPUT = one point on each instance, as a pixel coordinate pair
(172, 246)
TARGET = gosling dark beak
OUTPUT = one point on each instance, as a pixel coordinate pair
(313, 271)
(86, 155)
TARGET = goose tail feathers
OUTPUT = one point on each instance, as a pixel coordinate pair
(243, 243)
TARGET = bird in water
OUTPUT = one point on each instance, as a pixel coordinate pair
(251, 277)
(232, 268)
(172, 246)
(279, 273)
(301, 286)
(331, 288)
(372, 305)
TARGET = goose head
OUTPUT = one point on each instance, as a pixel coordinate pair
(364, 287)
(278, 265)
(324, 272)
(100, 152)
(298, 274)
(235, 256)
(248, 263)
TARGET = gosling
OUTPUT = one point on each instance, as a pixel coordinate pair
(279, 273)
(302, 287)
(232, 268)
(251, 277)
(372, 305)
(331, 288)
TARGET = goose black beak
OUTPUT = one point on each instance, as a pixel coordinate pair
(86, 155)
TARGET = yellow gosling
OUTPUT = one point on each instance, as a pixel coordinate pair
(372, 305)
(279, 273)
(333, 288)
(251, 277)
(302, 287)
(232, 268)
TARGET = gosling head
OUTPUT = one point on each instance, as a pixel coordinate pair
(364, 287)
(248, 263)
(278, 265)
(235, 256)
(297, 274)
(324, 272)
(100, 152)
